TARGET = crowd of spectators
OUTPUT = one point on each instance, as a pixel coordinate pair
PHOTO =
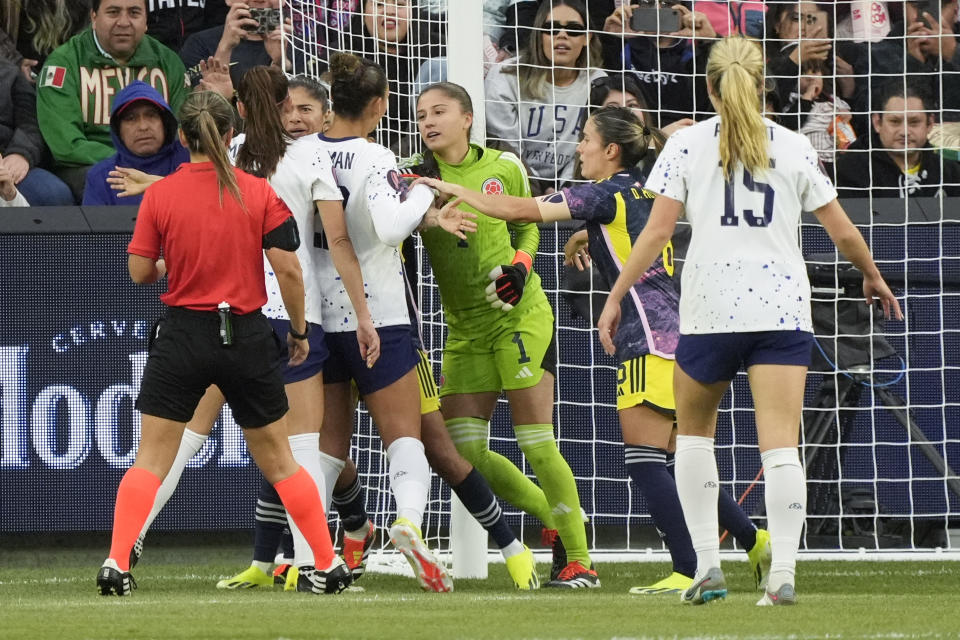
(97, 83)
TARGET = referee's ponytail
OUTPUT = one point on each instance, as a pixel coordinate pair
(735, 74)
(205, 119)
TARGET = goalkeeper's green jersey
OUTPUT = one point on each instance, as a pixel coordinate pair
(461, 267)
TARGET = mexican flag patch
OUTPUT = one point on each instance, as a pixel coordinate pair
(53, 77)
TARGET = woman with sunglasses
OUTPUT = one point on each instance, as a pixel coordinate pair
(536, 103)
(615, 208)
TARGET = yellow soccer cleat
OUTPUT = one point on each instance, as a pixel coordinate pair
(674, 583)
(523, 569)
(760, 557)
(290, 579)
(429, 571)
(250, 578)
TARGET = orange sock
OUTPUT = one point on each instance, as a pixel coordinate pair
(135, 497)
(302, 501)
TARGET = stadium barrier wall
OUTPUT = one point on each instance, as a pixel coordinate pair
(73, 347)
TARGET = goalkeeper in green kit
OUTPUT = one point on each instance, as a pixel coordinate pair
(501, 334)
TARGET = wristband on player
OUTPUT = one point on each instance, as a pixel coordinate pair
(300, 336)
(505, 291)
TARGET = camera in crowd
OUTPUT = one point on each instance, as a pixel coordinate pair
(267, 21)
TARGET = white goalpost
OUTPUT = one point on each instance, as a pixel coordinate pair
(881, 432)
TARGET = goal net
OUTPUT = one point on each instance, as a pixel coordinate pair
(881, 424)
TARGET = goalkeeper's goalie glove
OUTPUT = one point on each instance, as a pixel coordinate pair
(505, 291)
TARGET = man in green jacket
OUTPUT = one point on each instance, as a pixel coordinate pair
(79, 80)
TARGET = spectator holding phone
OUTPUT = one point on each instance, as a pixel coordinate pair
(924, 48)
(250, 36)
(666, 47)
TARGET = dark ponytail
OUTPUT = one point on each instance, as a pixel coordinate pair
(262, 90)
(355, 82)
(621, 126)
(205, 118)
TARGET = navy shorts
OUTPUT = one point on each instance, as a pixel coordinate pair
(397, 357)
(716, 357)
(186, 357)
(315, 359)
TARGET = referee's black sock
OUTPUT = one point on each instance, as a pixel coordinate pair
(731, 516)
(476, 496)
(350, 504)
(647, 467)
(269, 522)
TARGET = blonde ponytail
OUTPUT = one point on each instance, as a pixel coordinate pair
(205, 118)
(735, 71)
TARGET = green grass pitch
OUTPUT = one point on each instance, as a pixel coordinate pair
(50, 593)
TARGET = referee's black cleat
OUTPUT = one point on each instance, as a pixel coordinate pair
(136, 551)
(112, 581)
(334, 579)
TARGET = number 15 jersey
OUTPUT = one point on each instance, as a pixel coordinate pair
(744, 270)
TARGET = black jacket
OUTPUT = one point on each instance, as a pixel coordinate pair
(19, 132)
(172, 25)
(666, 75)
(861, 173)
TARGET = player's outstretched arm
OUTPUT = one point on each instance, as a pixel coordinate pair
(852, 246)
(502, 206)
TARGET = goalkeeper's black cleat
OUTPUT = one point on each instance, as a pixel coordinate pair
(334, 579)
(112, 581)
(551, 538)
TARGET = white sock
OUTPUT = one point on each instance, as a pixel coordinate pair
(190, 444)
(331, 468)
(306, 451)
(786, 500)
(409, 478)
(266, 567)
(698, 485)
(515, 548)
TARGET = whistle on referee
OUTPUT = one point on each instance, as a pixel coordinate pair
(226, 326)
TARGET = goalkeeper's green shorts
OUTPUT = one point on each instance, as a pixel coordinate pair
(512, 353)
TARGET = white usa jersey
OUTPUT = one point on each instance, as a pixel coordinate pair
(371, 185)
(744, 270)
(303, 176)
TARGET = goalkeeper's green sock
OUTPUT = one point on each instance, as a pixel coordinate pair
(538, 445)
(505, 479)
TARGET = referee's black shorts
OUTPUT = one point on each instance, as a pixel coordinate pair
(186, 357)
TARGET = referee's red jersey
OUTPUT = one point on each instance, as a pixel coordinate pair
(212, 253)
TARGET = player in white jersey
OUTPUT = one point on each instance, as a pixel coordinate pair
(742, 181)
(380, 213)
